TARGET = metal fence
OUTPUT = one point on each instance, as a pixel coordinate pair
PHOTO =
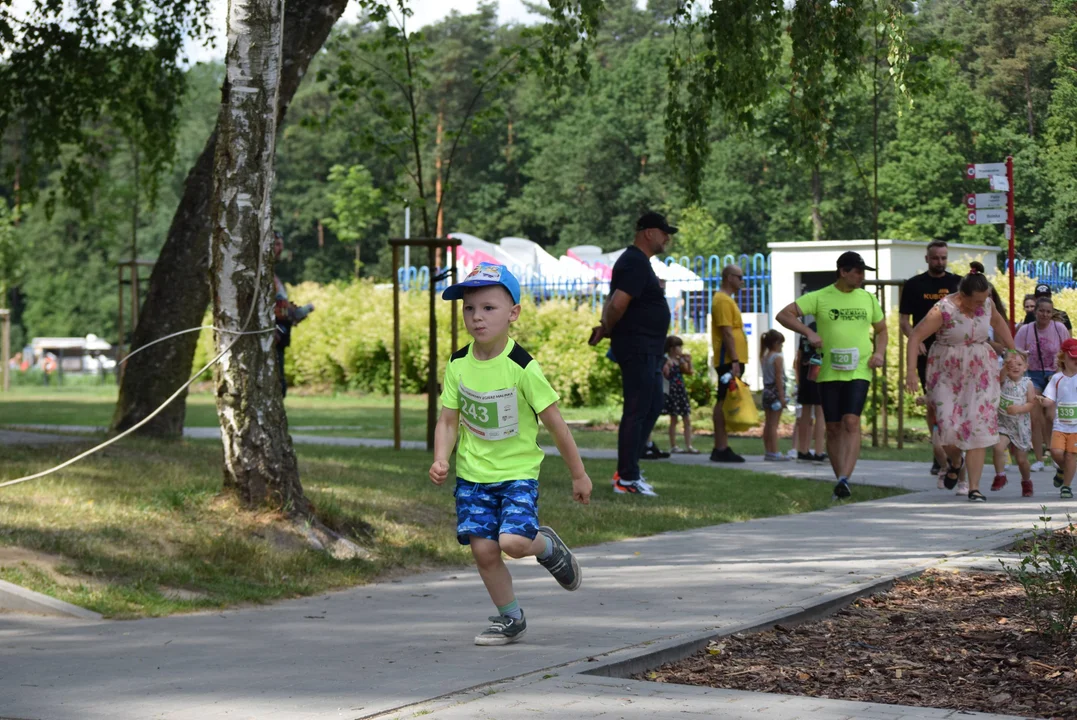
(1059, 275)
(690, 297)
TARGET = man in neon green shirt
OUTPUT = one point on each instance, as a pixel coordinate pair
(845, 314)
(496, 393)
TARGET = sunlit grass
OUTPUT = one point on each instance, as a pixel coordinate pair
(142, 529)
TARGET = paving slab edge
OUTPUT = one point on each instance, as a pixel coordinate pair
(623, 662)
(15, 598)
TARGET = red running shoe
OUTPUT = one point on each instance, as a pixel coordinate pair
(1026, 488)
(999, 483)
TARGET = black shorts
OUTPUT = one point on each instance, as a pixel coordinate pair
(808, 391)
(724, 388)
(921, 370)
(843, 397)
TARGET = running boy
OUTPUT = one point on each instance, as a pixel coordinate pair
(497, 392)
(1061, 394)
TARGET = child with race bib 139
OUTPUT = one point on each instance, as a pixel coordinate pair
(1061, 394)
(496, 393)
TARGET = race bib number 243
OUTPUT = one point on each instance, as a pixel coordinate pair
(490, 415)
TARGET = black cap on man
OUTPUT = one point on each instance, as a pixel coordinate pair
(852, 261)
(657, 221)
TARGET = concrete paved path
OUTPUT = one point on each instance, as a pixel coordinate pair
(375, 649)
(34, 439)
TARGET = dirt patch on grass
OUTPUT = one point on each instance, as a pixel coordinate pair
(55, 567)
(959, 641)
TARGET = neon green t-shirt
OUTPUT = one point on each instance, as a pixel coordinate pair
(499, 401)
(844, 320)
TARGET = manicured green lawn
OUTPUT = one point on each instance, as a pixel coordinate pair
(142, 529)
(369, 416)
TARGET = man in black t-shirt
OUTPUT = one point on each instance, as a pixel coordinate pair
(636, 319)
(919, 295)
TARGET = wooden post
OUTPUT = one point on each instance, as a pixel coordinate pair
(886, 398)
(875, 408)
(134, 294)
(432, 373)
(5, 348)
(396, 348)
(119, 325)
(452, 281)
(433, 246)
(901, 391)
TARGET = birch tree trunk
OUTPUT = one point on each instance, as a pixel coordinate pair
(259, 461)
(179, 290)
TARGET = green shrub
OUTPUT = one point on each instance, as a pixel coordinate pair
(347, 343)
(1048, 574)
(699, 385)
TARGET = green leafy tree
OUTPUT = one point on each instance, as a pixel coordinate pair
(69, 66)
(701, 235)
(12, 252)
(1061, 152)
(356, 203)
(420, 106)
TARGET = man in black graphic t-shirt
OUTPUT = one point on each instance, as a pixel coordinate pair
(919, 295)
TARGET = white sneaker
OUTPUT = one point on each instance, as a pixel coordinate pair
(962, 488)
(1037, 466)
(792, 454)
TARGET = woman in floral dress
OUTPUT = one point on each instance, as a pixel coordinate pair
(962, 376)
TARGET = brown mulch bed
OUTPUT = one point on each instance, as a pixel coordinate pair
(1065, 539)
(960, 641)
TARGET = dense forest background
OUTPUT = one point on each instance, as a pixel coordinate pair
(577, 165)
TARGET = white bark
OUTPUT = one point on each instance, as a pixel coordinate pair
(259, 461)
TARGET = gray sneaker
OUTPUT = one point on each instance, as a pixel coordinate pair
(561, 563)
(503, 630)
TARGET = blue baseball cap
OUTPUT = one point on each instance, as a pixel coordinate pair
(483, 275)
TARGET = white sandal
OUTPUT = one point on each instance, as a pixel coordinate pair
(675, 449)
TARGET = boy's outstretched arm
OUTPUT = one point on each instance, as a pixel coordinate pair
(444, 442)
(566, 445)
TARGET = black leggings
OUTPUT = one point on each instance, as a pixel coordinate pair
(843, 397)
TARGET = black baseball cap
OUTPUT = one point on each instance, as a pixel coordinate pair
(1043, 291)
(852, 260)
(654, 220)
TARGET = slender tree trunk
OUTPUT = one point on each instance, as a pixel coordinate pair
(816, 201)
(1028, 102)
(259, 462)
(178, 292)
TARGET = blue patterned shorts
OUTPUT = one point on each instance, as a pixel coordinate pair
(488, 510)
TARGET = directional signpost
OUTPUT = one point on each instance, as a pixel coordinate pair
(995, 207)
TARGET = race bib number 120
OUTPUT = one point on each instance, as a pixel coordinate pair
(844, 358)
(490, 415)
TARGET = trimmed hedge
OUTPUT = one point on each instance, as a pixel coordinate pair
(347, 342)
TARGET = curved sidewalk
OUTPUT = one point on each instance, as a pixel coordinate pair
(380, 648)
